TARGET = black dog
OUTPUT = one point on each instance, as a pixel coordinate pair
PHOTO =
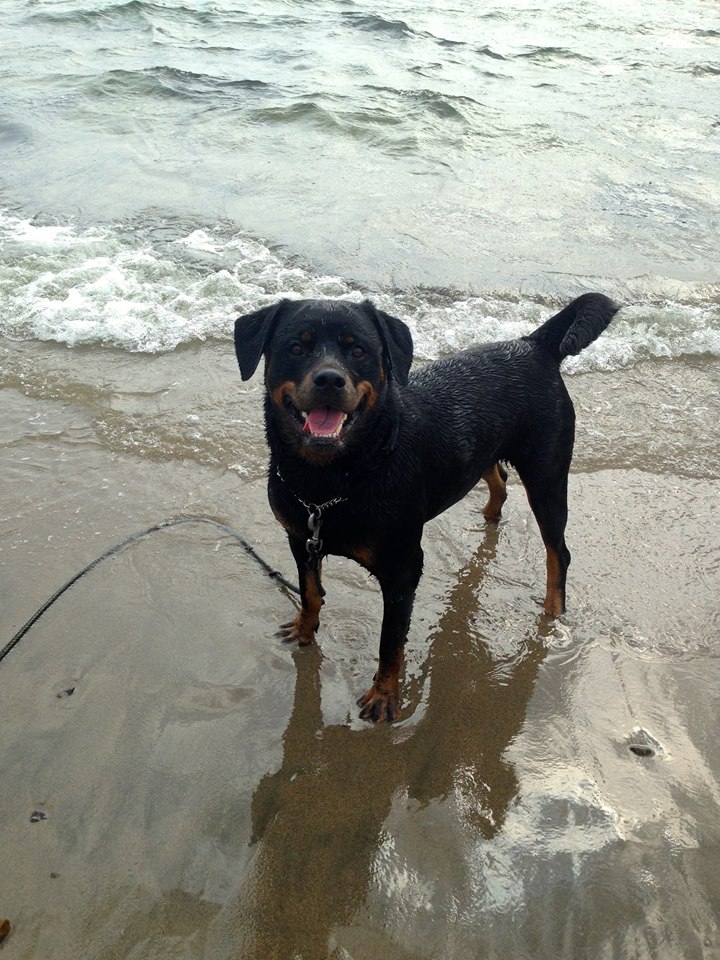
(363, 455)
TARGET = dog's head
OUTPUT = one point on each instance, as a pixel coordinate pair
(327, 365)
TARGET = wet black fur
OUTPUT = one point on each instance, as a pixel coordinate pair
(426, 441)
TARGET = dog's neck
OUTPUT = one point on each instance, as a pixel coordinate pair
(316, 483)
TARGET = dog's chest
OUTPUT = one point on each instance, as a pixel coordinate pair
(336, 527)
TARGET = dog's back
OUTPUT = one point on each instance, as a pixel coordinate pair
(498, 402)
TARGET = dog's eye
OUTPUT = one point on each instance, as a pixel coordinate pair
(357, 352)
(296, 349)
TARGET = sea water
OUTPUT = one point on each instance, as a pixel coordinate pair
(164, 165)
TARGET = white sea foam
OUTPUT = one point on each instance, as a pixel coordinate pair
(124, 288)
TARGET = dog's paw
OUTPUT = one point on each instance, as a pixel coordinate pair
(378, 704)
(296, 631)
(492, 513)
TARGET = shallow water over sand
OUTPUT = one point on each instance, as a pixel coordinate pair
(210, 793)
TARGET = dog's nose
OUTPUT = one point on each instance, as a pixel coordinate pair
(329, 379)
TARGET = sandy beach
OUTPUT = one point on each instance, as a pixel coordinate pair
(207, 792)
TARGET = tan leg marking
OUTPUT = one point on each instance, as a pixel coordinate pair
(382, 701)
(492, 510)
(554, 603)
(304, 627)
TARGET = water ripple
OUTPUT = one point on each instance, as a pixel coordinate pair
(167, 82)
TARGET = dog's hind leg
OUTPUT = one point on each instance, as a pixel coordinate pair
(304, 627)
(398, 584)
(548, 500)
(495, 477)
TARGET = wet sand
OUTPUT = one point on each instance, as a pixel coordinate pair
(210, 793)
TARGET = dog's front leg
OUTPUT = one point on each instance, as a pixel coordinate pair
(304, 627)
(398, 584)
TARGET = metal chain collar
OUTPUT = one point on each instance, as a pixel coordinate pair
(313, 544)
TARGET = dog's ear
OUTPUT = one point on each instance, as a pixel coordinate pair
(252, 335)
(397, 340)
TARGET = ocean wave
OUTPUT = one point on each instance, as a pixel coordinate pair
(486, 51)
(125, 15)
(375, 23)
(550, 55)
(168, 82)
(121, 287)
(401, 29)
(375, 120)
(132, 13)
(447, 106)
(155, 286)
(705, 70)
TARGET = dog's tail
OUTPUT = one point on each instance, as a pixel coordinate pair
(575, 327)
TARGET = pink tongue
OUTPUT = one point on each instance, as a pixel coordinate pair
(323, 421)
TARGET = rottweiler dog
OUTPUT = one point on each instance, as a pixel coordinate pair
(363, 453)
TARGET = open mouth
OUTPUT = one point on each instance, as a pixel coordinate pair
(323, 423)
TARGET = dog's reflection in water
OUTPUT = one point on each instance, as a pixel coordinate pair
(318, 821)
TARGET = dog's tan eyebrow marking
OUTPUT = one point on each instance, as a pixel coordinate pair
(348, 339)
(306, 336)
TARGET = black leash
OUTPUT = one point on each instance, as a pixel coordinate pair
(133, 538)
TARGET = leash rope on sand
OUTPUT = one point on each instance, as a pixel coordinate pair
(133, 538)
